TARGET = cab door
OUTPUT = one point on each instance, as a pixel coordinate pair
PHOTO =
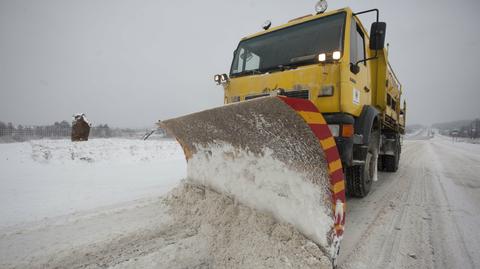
(359, 77)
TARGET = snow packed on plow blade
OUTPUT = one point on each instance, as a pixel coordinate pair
(265, 154)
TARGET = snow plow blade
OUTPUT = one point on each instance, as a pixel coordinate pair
(274, 154)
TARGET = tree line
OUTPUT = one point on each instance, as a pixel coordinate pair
(465, 128)
(56, 130)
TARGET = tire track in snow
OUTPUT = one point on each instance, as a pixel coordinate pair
(386, 193)
(408, 242)
(458, 241)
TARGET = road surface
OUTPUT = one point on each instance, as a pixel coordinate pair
(424, 216)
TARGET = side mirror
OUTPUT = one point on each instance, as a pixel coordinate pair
(377, 35)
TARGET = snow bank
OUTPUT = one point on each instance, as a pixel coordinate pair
(266, 184)
(48, 178)
(103, 151)
(224, 234)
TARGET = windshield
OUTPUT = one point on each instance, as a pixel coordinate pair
(292, 46)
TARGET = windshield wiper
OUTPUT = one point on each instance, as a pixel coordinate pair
(247, 72)
(280, 67)
(294, 63)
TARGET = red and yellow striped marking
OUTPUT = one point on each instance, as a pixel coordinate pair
(319, 127)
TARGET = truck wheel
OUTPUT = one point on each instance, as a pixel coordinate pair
(361, 177)
(381, 163)
(390, 163)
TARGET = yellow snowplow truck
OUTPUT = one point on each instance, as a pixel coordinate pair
(330, 60)
(312, 110)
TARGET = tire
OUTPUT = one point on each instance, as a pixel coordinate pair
(381, 166)
(360, 178)
(391, 163)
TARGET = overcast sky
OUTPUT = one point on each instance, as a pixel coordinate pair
(130, 63)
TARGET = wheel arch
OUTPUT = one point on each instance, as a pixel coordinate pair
(369, 119)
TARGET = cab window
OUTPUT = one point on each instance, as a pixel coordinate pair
(357, 44)
(246, 61)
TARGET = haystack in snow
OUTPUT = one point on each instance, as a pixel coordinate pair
(80, 128)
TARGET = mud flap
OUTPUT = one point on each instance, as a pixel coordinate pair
(275, 154)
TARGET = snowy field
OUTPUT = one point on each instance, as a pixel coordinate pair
(48, 178)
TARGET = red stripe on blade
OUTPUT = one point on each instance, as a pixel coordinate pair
(299, 104)
(321, 131)
(332, 154)
(336, 177)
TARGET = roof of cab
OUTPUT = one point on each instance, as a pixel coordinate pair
(299, 21)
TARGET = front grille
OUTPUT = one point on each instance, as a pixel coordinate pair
(256, 96)
(303, 94)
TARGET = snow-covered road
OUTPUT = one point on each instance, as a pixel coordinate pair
(423, 216)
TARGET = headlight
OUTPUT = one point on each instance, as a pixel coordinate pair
(334, 129)
(336, 55)
(217, 79)
(322, 57)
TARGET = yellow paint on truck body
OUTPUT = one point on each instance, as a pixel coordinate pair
(309, 77)
(351, 91)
